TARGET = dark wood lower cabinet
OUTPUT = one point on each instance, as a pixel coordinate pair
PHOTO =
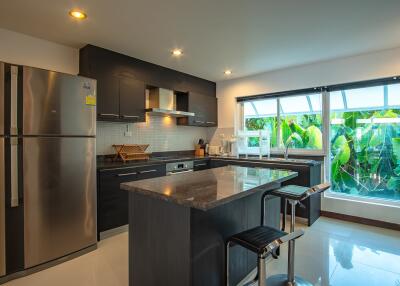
(112, 202)
(170, 244)
(199, 165)
(309, 175)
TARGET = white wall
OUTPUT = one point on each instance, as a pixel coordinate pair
(363, 67)
(368, 66)
(21, 49)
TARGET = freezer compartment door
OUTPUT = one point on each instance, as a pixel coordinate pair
(59, 197)
(58, 104)
(2, 211)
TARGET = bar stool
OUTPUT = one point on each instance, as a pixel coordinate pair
(262, 240)
(294, 195)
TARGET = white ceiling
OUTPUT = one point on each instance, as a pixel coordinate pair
(246, 36)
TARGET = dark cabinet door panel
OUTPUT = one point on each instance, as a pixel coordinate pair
(112, 206)
(107, 87)
(201, 165)
(132, 100)
(205, 109)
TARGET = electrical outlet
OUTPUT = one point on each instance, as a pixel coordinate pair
(128, 133)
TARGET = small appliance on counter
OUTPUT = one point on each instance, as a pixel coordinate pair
(233, 147)
(213, 150)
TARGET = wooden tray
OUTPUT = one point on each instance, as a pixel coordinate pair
(129, 152)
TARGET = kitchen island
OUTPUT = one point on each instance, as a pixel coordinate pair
(178, 224)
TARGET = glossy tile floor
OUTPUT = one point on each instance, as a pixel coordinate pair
(331, 252)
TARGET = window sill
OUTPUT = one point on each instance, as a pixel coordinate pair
(310, 153)
(366, 200)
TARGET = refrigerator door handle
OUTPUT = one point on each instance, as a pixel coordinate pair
(2, 212)
(14, 101)
(14, 172)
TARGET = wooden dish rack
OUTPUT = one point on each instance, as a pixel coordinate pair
(129, 152)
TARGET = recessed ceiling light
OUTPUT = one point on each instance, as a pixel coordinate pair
(77, 14)
(177, 52)
(228, 72)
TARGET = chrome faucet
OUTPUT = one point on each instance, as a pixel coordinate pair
(286, 155)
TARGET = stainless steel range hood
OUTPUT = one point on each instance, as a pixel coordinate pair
(162, 102)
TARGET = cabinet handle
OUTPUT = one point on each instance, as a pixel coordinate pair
(109, 114)
(197, 121)
(202, 164)
(127, 174)
(147, 171)
(210, 122)
(130, 116)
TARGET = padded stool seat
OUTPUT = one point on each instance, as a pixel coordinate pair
(258, 238)
(262, 240)
(291, 192)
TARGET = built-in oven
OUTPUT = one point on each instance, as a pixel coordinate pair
(179, 168)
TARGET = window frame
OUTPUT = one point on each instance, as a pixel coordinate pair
(326, 113)
(281, 149)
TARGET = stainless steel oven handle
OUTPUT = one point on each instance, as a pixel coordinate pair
(127, 174)
(177, 173)
(14, 172)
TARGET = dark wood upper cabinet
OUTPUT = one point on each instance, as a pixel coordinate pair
(132, 99)
(205, 109)
(107, 97)
(121, 83)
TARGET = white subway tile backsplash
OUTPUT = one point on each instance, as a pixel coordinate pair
(161, 133)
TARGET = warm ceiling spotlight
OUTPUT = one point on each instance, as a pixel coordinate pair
(177, 52)
(228, 72)
(77, 14)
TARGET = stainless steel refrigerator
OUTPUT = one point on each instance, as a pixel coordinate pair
(47, 166)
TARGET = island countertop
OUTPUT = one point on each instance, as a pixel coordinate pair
(207, 189)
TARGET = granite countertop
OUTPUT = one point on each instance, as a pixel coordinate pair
(209, 188)
(109, 164)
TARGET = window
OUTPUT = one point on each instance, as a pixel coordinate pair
(362, 138)
(299, 123)
(365, 142)
(261, 115)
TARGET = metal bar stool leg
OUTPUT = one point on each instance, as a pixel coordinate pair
(262, 275)
(291, 247)
(228, 245)
(289, 279)
(284, 214)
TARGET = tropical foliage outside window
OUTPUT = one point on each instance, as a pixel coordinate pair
(365, 143)
(300, 121)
